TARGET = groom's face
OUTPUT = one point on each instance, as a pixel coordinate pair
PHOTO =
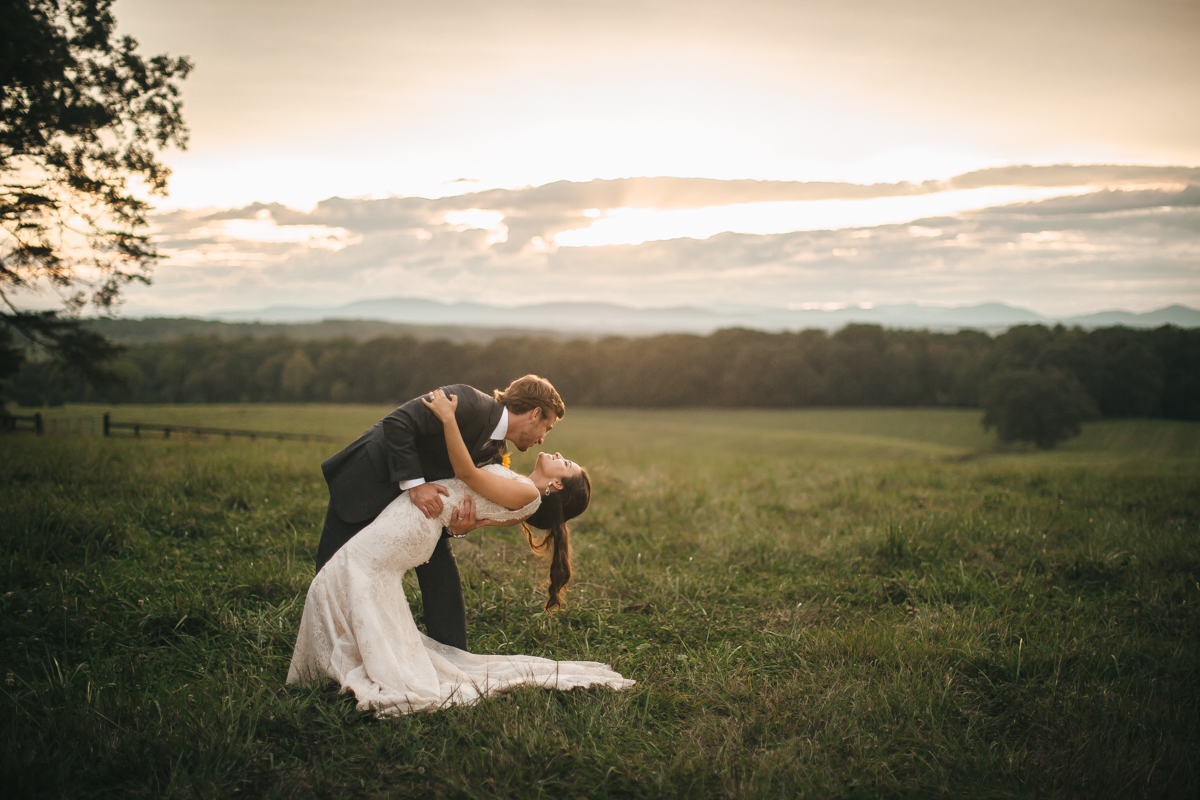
(526, 430)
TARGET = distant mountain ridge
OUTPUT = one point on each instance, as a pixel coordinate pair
(161, 329)
(584, 318)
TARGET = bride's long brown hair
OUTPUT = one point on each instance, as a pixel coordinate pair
(552, 517)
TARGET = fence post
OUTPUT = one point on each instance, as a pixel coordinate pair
(106, 421)
(38, 424)
(166, 433)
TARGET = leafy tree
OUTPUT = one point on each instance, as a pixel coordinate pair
(1122, 371)
(81, 118)
(1133, 374)
(297, 373)
(1179, 352)
(1040, 406)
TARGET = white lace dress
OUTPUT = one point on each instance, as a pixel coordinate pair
(357, 628)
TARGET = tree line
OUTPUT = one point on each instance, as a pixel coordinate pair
(1121, 372)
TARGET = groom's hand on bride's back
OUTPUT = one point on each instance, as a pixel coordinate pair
(463, 521)
(425, 497)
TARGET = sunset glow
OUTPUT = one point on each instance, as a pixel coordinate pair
(863, 153)
(637, 225)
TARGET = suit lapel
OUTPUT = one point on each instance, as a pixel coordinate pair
(485, 436)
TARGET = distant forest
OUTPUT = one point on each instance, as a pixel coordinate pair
(1128, 372)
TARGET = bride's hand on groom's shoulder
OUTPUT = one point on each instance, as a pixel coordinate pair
(442, 405)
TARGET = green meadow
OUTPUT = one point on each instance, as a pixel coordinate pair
(824, 604)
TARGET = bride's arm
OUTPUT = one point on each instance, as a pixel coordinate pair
(463, 519)
(508, 493)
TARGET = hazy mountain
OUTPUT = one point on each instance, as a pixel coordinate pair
(1179, 315)
(605, 318)
(159, 329)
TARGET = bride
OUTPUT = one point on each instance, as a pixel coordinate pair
(357, 628)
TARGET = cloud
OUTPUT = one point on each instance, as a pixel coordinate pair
(1112, 247)
(534, 215)
(567, 198)
(1106, 200)
(1075, 175)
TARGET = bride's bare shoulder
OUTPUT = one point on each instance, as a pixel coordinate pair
(505, 472)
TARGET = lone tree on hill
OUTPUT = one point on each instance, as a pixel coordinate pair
(1040, 406)
(81, 118)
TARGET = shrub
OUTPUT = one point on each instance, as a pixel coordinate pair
(1040, 406)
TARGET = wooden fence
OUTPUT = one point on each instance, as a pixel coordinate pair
(11, 423)
(70, 424)
(36, 423)
(136, 429)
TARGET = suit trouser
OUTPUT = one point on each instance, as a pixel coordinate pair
(441, 587)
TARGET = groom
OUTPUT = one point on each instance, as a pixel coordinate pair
(406, 450)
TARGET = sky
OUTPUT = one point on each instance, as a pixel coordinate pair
(788, 154)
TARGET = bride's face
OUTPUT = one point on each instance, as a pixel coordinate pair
(555, 467)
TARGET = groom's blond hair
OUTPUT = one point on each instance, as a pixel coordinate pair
(530, 392)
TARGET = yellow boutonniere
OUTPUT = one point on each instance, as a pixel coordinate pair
(505, 461)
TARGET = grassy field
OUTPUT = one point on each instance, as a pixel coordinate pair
(851, 603)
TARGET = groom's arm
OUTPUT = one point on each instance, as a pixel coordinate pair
(402, 427)
(400, 431)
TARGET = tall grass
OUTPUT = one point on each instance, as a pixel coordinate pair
(815, 604)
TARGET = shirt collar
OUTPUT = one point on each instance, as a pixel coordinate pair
(502, 428)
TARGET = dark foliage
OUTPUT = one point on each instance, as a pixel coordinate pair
(1178, 352)
(1125, 372)
(1040, 406)
(70, 357)
(81, 117)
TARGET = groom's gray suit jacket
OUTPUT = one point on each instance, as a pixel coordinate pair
(405, 445)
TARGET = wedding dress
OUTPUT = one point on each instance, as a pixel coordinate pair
(357, 628)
